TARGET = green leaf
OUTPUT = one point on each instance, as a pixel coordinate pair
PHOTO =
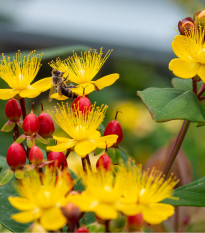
(41, 140)
(5, 176)
(8, 127)
(19, 174)
(6, 210)
(192, 194)
(167, 104)
(21, 138)
(3, 162)
(114, 154)
(29, 142)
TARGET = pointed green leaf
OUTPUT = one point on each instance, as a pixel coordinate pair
(29, 142)
(8, 127)
(167, 104)
(192, 194)
(19, 174)
(114, 154)
(41, 140)
(5, 176)
(21, 138)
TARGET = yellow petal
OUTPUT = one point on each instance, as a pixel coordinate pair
(201, 72)
(106, 212)
(43, 84)
(21, 203)
(6, 94)
(62, 146)
(129, 210)
(96, 134)
(108, 140)
(106, 81)
(58, 97)
(85, 147)
(85, 88)
(156, 213)
(26, 216)
(53, 219)
(29, 92)
(183, 69)
(181, 45)
(61, 139)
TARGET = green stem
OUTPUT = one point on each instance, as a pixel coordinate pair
(177, 146)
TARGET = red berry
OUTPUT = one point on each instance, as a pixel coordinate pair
(104, 162)
(185, 25)
(46, 126)
(30, 124)
(82, 104)
(135, 222)
(114, 127)
(82, 229)
(13, 110)
(59, 159)
(35, 155)
(16, 156)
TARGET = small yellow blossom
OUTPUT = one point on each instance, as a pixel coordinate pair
(130, 191)
(81, 130)
(190, 50)
(82, 69)
(41, 199)
(19, 73)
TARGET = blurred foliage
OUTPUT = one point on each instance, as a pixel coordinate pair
(191, 6)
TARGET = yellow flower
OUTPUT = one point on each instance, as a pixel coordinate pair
(81, 129)
(190, 50)
(129, 190)
(19, 73)
(41, 199)
(82, 69)
(147, 189)
(102, 195)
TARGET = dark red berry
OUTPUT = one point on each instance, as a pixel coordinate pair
(185, 25)
(30, 124)
(82, 229)
(46, 126)
(35, 155)
(104, 162)
(135, 222)
(16, 156)
(82, 104)
(59, 159)
(13, 110)
(114, 127)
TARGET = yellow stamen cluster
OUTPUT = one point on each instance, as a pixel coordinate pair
(77, 124)
(21, 71)
(81, 69)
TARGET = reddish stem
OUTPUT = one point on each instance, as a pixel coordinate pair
(23, 107)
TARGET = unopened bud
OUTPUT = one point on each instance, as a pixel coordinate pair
(135, 222)
(199, 18)
(185, 25)
(72, 213)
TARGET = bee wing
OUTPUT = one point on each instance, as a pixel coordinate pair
(51, 92)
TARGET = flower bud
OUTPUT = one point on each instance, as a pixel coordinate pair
(135, 222)
(114, 127)
(59, 159)
(30, 124)
(82, 104)
(46, 125)
(72, 213)
(16, 156)
(13, 110)
(82, 229)
(35, 156)
(185, 25)
(104, 162)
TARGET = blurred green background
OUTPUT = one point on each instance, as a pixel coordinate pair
(140, 32)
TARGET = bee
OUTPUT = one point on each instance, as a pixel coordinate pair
(59, 85)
